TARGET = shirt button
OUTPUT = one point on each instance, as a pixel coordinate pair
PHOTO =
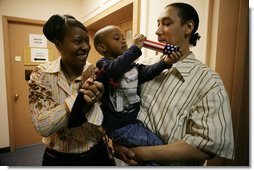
(180, 122)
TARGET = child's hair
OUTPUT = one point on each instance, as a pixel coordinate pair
(57, 26)
(186, 13)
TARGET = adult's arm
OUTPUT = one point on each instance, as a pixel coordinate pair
(209, 133)
(47, 115)
(178, 151)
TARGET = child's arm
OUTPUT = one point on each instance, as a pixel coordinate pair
(172, 57)
(148, 72)
(138, 40)
(117, 67)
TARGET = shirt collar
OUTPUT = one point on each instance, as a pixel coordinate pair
(55, 67)
(186, 65)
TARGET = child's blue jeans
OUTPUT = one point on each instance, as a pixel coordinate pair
(134, 135)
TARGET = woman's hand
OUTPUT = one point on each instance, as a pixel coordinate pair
(90, 92)
(92, 89)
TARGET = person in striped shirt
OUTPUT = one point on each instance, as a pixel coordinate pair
(53, 89)
(187, 105)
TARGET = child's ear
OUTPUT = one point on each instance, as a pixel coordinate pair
(101, 48)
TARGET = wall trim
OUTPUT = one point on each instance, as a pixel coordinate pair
(5, 150)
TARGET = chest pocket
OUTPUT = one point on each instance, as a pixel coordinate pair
(126, 94)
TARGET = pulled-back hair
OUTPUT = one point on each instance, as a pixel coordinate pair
(57, 25)
(187, 13)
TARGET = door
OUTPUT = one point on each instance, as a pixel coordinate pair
(126, 27)
(22, 129)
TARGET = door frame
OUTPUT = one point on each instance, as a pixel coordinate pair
(116, 9)
(113, 15)
(6, 20)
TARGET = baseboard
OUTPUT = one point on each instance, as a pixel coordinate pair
(5, 150)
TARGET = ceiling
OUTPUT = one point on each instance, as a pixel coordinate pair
(118, 16)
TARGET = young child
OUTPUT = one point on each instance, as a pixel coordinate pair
(121, 78)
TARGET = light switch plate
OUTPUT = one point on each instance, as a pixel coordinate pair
(17, 58)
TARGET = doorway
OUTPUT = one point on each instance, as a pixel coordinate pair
(123, 15)
(16, 43)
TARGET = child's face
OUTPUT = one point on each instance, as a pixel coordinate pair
(115, 43)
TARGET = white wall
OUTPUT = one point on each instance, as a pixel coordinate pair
(90, 8)
(32, 9)
(150, 12)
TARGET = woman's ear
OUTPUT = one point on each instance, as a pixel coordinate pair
(189, 26)
(58, 45)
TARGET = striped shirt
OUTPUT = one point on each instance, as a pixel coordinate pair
(51, 99)
(189, 102)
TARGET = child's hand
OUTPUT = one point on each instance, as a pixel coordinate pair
(172, 58)
(138, 40)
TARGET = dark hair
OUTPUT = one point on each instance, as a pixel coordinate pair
(99, 36)
(57, 25)
(186, 13)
